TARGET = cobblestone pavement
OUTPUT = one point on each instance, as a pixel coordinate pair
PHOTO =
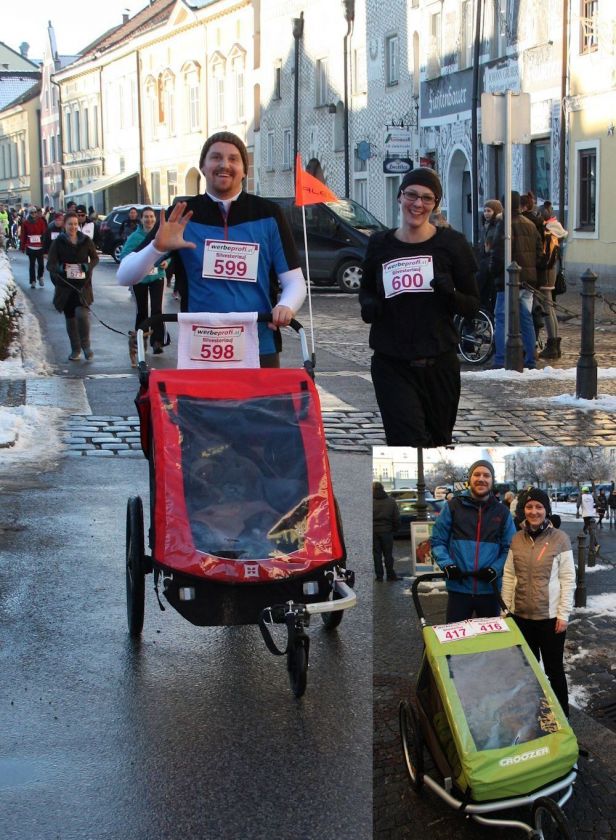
(399, 813)
(504, 411)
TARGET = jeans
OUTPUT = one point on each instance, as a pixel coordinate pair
(461, 606)
(526, 328)
(382, 548)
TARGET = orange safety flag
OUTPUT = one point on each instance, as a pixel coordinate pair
(308, 189)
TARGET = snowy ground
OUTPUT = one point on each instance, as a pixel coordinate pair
(27, 433)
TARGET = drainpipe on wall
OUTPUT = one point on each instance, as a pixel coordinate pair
(60, 151)
(563, 118)
(139, 128)
(349, 16)
(474, 126)
(298, 33)
(40, 140)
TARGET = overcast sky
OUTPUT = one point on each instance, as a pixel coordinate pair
(76, 24)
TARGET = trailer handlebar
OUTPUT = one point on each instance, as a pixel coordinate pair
(442, 576)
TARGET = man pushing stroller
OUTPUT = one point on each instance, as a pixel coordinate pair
(472, 534)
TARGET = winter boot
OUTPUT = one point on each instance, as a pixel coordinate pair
(82, 315)
(73, 337)
(550, 351)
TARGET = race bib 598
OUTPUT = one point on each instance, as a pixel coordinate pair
(408, 274)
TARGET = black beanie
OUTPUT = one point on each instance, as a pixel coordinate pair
(481, 463)
(425, 177)
(225, 137)
(537, 495)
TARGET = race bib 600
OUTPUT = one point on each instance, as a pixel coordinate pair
(408, 274)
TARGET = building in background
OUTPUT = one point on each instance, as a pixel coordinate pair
(51, 144)
(591, 117)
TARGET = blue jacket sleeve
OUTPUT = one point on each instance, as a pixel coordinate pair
(441, 535)
(506, 537)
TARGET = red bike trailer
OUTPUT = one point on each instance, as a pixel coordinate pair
(244, 526)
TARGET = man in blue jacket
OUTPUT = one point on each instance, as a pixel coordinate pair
(472, 534)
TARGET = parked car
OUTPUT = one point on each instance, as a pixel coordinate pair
(338, 234)
(109, 233)
(408, 514)
(567, 494)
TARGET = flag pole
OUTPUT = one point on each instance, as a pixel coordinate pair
(308, 278)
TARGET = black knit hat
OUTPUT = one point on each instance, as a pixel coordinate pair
(537, 495)
(481, 463)
(425, 177)
(225, 137)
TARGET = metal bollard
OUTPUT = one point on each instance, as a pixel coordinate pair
(514, 349)
(586, 372)
(580, 589)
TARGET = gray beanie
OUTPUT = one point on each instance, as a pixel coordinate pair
(481, 463)
(225, 137)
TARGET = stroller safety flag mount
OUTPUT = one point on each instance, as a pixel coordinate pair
(485, 711)
(244, 525)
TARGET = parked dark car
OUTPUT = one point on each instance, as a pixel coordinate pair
(109, 233)
(408, 514)
(338, 234)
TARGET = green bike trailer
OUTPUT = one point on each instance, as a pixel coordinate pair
(487, 715)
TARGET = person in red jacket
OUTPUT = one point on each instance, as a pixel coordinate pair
(33, 230)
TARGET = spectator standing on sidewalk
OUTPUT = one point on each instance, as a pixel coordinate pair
(589, 515)
(473, 533)
(33, 229)
(526, 250)
(554, 234)
(611, 504)
(385, 522)
(538, 588)
(601, 506)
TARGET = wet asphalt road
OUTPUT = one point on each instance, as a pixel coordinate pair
(191, 732)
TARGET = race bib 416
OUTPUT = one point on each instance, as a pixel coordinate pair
(408, 274)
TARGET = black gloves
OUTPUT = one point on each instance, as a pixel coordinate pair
(452, 572)
(443, 285)
(488, 574)
(371, 311)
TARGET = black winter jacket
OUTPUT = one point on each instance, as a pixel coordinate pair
(63, 252)
(420, 325)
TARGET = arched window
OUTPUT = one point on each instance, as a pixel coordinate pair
(192, 74)
(151, 105)
(238, 67)
(218, 70)
(168, 101)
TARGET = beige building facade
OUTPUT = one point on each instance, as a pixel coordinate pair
(20, 159)
(591, 114)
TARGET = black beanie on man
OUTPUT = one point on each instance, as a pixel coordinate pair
(225, 137)
(425, 177)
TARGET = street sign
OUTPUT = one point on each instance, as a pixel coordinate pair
(397, 166)
(397, 141)
(493, 118)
